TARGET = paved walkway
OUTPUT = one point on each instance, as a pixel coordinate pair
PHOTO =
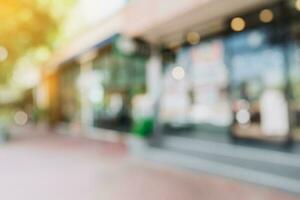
(61, 168)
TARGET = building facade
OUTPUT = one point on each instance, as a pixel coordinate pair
(212, 68)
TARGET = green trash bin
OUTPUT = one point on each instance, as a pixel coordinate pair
(143, 116)
(143, 127)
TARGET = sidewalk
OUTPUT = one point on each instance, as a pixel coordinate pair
(57, 167)
(265, 167)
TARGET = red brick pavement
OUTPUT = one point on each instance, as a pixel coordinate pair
(60, 168)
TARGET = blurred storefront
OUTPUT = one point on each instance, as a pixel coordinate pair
(217, 68)
(115, 76)
(195, 95)
(228, 79)
(96, 88)
(191, 79)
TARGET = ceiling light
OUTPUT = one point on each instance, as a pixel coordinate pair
(238, 24)
(193, 38)
(266, 15)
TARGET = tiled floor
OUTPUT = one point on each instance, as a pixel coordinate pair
(61, 168)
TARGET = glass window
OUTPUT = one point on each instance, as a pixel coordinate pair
(121, 78)
(195, 90)
(258, 85)
(294, 75)
(69, 97)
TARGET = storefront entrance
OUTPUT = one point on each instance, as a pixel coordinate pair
(194, 100)
(258, 84)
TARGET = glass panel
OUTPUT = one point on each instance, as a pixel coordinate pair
(257, 87)
(68, 97)
(209, 85)
(121, 77)
(294, 75)
(195, 90)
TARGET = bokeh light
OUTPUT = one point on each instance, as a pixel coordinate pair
(178, 73)
(21, 118)
(238, 24)
(266, 15)
(297, 5)
(193, 38)
(3, 53)
(243, 116)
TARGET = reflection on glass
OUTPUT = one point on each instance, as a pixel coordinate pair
(294, 75)
(69, 97)
(120, 79)
(199, 97)
(258, 84)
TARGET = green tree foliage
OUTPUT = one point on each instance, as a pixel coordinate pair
(26, 25)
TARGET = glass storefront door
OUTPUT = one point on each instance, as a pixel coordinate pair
(194, 97)
(209, 82)
(120, 78)
(258, 86)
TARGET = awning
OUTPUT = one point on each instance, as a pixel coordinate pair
(167, 23)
